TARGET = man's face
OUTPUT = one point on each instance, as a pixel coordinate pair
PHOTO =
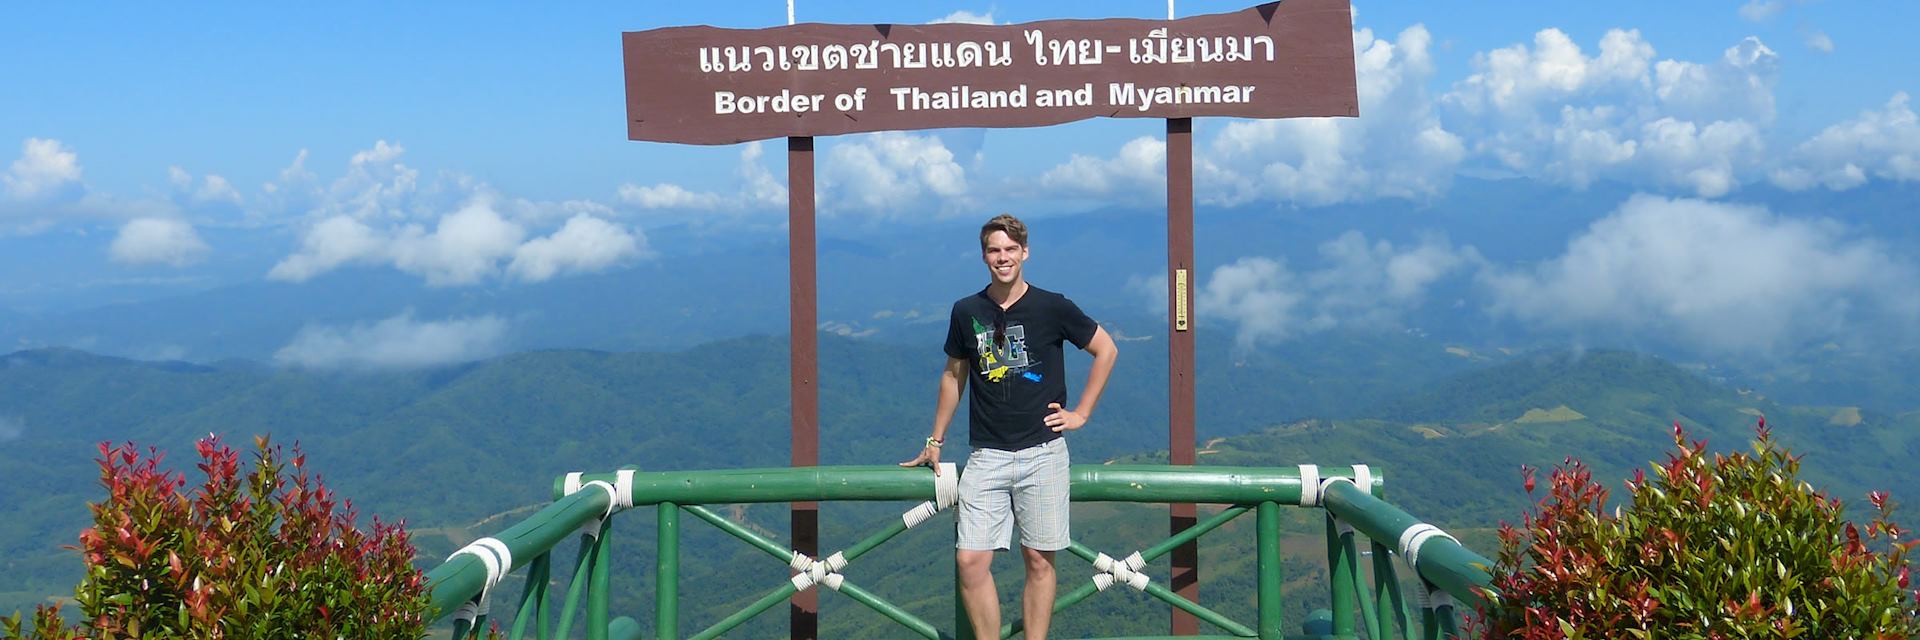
(1003, 257)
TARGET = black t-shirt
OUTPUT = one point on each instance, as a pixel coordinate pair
(1012, 381)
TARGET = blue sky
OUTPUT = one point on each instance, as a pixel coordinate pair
(159, 146)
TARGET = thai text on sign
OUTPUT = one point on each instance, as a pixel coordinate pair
(706, 85)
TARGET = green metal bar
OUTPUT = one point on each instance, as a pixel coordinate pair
(764, 603)
(666, 574)
(891, 611)
(460, 629)
(1194, 532)
(1455, 569)
(1340, 578)
(861, 548)
(533, 600)
(1368, 616)
(577, 587)
(1449, 621)
(737, 530)
(1389, 605)
(878, 538)
(1272, 624)
(460, 578)
(1091, 483)
(1210, 616)
(1165, 595)
(624, 628)
(1087, 589)
(1429, 625)
(600, 587)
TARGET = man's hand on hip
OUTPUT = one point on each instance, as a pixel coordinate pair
(1062, 420)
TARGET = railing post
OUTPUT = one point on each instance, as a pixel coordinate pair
(599, 584)
(1269, 567)
(666, 588)
(1340, 579)
(1389, 604)
(534, 603)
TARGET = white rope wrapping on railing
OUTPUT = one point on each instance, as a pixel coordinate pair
(1417, 536)
(467, 612)
(619, 496)
(498, 561)
(623, 485)
(809, 572)
(1127, 572)
(1362, 479)
(946, 485)
(591, 528)
(1309, 485)
(946, 493)
(1432, 597)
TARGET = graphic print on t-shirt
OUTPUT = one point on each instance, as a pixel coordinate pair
(996, 360)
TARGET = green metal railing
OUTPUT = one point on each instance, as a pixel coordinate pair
(1445, 572)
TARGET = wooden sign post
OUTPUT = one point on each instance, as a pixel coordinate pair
(707, 85)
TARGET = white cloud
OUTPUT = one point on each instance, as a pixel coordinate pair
(160, 241)
(668, 196)
(891, 174)
(213, 190)
(1516, 80)
(585, 244)
(1759, 10)
(1139, 169)
(1358, 283)
(1818, 40)
(464, 247)
(1883, 143)
(332, 242)
(1738, 86)
(964, 16)
(45, 170)
(1721, 277)
(758, 190)
(1397, 148)
(399, 342)
(11, 428)
(453, 230)
(1552, 112)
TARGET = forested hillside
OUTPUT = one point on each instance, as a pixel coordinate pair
(450, 449)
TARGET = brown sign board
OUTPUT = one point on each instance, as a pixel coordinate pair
(707, 85)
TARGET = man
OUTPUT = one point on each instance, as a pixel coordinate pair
(1006, 342)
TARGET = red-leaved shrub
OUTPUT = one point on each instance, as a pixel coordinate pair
(1712, 546)
(270, 553)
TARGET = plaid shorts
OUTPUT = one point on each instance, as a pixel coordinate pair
(1029, 486)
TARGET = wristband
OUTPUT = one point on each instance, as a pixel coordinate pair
(933, 442)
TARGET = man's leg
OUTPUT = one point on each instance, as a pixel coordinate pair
(977, 591)
(1037, 602)
(983, 523)
(1040, 504)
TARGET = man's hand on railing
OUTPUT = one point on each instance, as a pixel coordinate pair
(929, 457)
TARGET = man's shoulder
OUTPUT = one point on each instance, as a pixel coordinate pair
(969, 301)
(1051, 298)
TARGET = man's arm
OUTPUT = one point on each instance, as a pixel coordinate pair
(1104, 353)
(949, 400)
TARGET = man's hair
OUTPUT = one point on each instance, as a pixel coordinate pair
(1014, 228)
